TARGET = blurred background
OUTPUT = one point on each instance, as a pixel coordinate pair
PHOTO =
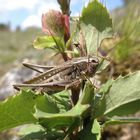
(20, 24)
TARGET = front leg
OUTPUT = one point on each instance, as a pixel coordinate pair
(73, 84)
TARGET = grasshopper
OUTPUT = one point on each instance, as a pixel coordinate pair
(66, 75)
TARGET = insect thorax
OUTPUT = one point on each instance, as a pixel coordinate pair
(84, 65)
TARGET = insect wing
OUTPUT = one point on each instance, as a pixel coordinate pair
(47, 74)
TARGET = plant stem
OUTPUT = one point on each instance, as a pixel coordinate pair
(65, 57)
(75, 94)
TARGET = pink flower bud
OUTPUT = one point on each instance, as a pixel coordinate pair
(53, 24)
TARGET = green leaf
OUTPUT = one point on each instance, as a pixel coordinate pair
(63, 100)
(33, 132)
(122, 120)
(106, 87)
(65, 119)
(48, 104)
(34, 136)
(31, 128)
(102, 65)
(49, 42)
(93, 37)
(58, 120)
(123, 97)
(96, 129)
(18, 110)
(95, 25)
(91, 132)
(96, 15)
(88, 94)
(41, 135)
(99, 102)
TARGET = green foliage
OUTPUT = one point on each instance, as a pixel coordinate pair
(32, 128)
(91, 15)
(18, 110)
(124, 93)
(91, 131)
(65, 119)
(50, 42)
(117, 95)
(92, 32)
(92, 28)
(93, 37)
(121, 120)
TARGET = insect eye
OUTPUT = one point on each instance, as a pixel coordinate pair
(94, 61)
